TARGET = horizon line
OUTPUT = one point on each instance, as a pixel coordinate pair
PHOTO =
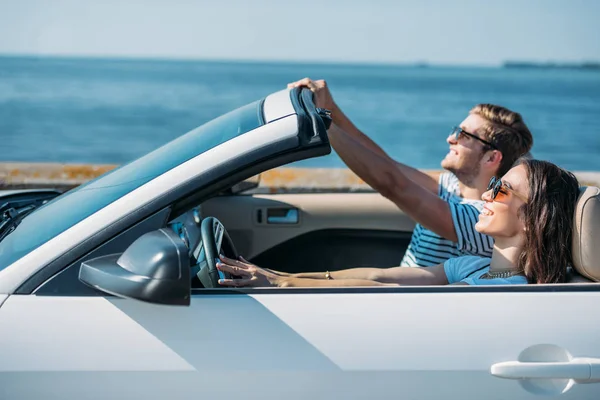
(121, 57)
(414, 63)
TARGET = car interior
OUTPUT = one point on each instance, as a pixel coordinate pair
(311, 232)
(304, 232)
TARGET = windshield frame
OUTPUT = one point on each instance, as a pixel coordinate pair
(72, 207)
(290, 137)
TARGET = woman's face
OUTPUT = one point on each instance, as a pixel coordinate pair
(500, 216)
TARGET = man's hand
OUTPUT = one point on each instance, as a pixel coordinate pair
(322, 95)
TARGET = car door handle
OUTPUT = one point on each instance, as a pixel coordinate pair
(579, 369)
(282, 216)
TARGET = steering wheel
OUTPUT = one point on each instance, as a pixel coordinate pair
(214, 238)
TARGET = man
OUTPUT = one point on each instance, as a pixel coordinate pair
(486, 144)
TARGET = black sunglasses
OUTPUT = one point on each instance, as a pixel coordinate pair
(497, 186)
(457, 131)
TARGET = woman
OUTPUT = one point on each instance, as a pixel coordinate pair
(529, 213)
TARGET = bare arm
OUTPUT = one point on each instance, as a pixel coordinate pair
(245, 273)
(382, 174)
(249, 274)
(324, 99)
(341, 120)
(435, 275)
(374, 277)
(304, 282)
(350, 273)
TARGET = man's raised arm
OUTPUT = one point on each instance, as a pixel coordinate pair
(383, 174)
(324, 99)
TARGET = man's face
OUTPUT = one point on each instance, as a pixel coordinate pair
(465, 154)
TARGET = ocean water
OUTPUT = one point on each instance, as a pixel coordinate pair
(113, 111)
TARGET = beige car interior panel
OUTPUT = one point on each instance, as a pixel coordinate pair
(257, 223)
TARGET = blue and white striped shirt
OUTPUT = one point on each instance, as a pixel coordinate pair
(427, 248)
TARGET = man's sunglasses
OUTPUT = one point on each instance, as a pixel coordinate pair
(499, 187)
(457, 131)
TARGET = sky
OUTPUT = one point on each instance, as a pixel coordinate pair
(462, 32)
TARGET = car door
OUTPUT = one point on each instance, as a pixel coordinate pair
(342, 230)
(387, 343)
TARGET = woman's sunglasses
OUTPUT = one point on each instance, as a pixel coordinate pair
(498, 187)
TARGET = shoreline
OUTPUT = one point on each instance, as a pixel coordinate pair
(19, 175)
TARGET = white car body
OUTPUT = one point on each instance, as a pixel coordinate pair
(454, 342)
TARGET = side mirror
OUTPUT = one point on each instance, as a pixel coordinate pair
(155, 268)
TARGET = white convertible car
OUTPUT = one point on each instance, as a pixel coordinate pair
(109, 291)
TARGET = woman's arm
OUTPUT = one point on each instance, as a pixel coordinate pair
(385, 277)
(303, 282)
(398, 275)
(251, 275)
(350, 273)
(435, 275)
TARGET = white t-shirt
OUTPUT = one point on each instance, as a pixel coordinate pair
(427, 248)
(469, 269)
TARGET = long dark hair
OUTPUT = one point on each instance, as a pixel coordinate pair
(548, 218)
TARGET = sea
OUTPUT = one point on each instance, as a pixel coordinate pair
(111, 111)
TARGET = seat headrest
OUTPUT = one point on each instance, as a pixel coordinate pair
(586, 230)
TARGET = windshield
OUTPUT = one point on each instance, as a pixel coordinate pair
(72, 207)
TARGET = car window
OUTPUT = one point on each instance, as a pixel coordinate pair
(72, 207)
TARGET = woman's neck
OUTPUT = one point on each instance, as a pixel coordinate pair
(505, 255)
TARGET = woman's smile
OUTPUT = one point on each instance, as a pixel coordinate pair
(486, 212)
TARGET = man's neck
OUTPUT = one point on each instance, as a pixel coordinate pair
(473, 189)
(505, 255)
(469, 192)
(472, 186)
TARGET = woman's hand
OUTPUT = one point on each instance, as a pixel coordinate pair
(247, 274)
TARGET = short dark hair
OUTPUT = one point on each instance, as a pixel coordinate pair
(507, 131)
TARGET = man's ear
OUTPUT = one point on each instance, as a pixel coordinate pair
(493, 158)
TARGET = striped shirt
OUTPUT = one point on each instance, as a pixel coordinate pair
(427, 248)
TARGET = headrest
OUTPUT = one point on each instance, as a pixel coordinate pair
(586, 233)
